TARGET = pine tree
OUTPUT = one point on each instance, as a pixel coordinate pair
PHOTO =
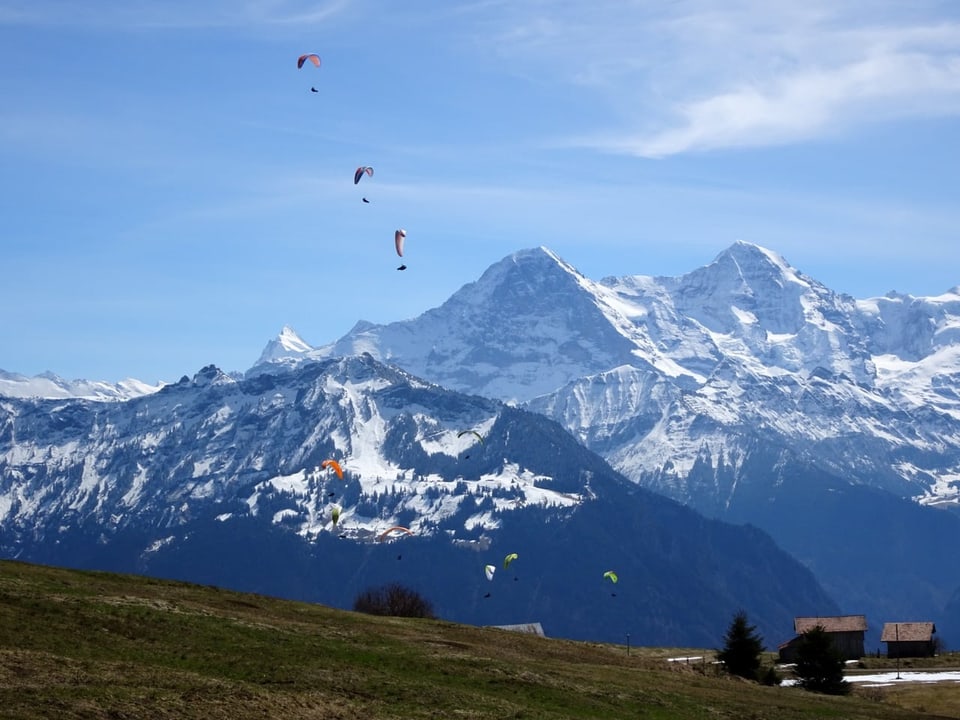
(819, 665)
(742, 647)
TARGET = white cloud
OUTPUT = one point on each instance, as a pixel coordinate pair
(696, 75)
(808, 104)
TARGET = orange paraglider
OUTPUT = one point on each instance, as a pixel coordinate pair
(312, 57)
(333, 464)
(395, 529)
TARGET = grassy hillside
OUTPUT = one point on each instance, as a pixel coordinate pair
(96, 645)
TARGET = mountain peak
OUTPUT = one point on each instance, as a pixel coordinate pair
(539, 263)
(753, 261)
(746, 278)
(287, 343)
(543, 257)
(292, 342)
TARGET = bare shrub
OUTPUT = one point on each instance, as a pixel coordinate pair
(394, 600)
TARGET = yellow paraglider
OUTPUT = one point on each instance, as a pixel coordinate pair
(509, 559)
(611, 576)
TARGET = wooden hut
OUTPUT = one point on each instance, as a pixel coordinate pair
(845, 631)
(909, 639)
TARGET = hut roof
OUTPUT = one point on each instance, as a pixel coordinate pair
(908, 632)
(841, 623)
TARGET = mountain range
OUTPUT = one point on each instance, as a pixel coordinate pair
(744, 390)
(223, 481)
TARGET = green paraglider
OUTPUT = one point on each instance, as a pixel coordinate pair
(509, 559)
(611, 576)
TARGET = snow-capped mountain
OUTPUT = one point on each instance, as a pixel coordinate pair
(744, 389)
(650, 371)
(49, 385)
(224, 481)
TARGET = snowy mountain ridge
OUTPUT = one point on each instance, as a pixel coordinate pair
(224, 481)
(49, 385)
(355, 414)
(650, 371)
(745, 390)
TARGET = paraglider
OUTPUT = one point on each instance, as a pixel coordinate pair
(313, 89)
(312, 57)
(395, 529)
(470, 432)
(335, 514)
(361, 171)
(489, 570)
(612, 577)
(398, 237)
(509, 559)
(333, 464)
(365, 200)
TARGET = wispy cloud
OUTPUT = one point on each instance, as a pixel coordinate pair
(694, 75)
(808, 104)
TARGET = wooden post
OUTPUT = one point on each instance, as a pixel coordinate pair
(896, 628)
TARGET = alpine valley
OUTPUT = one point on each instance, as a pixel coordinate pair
(740, 437)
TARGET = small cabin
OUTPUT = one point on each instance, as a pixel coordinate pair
(909, 639)
(845, 632)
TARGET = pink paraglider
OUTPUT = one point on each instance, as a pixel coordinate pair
(312, 57)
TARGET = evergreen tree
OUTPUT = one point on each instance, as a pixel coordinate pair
(819, 664)
(741, 648)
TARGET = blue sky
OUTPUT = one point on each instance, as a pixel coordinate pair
(172, 193)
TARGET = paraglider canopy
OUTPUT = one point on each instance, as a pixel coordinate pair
(398, 529)
(509, 559)
(470, 432)
(335, 514)
(398, 238)
(312, 57)
(361, 171)
(611, 576)
(489, 570)
(333, 464)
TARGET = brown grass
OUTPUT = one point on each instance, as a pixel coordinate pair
(96, 645)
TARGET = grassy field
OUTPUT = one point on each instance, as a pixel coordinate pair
(96, 645)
